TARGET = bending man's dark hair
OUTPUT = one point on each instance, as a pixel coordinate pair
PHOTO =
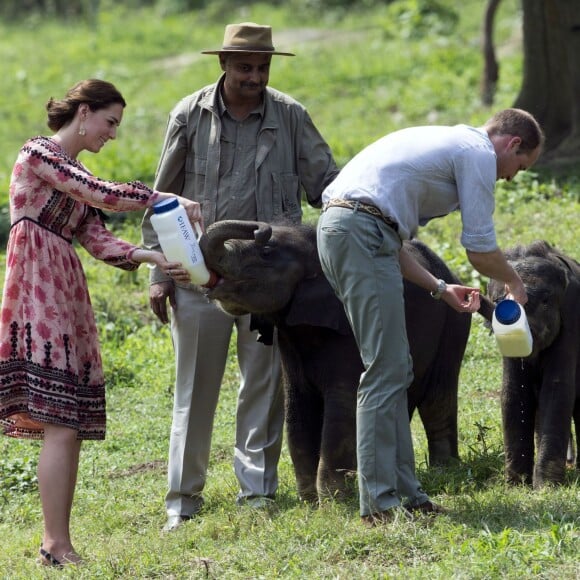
(519, 123)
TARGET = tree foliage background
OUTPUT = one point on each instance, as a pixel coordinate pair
(550, 84)
(21, 9)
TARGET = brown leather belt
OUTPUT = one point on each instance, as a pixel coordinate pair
(365, 208)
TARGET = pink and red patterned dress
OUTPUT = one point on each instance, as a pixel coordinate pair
(50, 362)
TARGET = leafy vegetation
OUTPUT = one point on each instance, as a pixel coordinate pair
(361, 75)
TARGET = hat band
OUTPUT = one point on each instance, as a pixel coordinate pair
(249, 48)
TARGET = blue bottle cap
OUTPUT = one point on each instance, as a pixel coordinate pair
(507, 311)
(165, 205)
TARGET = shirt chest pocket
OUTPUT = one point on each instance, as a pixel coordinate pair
(195, 164)
(286, 195)
(195, 174)
(227, 155)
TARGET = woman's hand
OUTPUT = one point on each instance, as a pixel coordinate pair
(172, 269)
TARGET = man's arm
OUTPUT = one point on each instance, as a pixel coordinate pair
(169, 177)
(460, 298)
(317, 166)
(495, 265)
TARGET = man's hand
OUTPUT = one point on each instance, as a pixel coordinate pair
(461, 298)
(158, 295)
(495, 265)
(193, 211)
(192, 208)
(516, 291)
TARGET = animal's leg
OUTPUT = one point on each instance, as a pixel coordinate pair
(439, 418)
(337, 466)
(518, 418)
(571, 453)
(553, 434)
(303, 428)
(576, 452)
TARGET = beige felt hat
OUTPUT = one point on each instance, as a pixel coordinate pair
(247, 37)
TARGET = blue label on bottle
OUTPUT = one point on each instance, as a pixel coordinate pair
(182, 224)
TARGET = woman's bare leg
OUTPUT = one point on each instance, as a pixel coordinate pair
(57, 475)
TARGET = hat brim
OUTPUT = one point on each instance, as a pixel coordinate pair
(243, 51)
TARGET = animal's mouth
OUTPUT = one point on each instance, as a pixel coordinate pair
(238, 297)
(221, 288)
(231, 309)
(214, 280)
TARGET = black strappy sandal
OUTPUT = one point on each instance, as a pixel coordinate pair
(47, 559)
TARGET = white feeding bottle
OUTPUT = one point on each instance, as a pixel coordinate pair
(178, 240)
(511, 329)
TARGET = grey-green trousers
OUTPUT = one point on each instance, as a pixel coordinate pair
(360, 257)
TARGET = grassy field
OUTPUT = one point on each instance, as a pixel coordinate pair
(360, 76)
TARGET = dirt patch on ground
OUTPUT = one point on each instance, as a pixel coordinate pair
(286, 40)
(158, 465)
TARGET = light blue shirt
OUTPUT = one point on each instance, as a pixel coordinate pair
(416, 174)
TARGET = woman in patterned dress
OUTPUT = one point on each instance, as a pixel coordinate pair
(51, 375)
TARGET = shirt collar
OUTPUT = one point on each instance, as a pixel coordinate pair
(222, 108)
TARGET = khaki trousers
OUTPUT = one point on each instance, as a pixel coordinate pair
(201, 337)
(360, 257)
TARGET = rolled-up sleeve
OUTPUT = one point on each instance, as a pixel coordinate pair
(475, 173)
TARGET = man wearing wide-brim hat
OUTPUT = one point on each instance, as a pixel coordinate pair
(244, 151)
(247, 37)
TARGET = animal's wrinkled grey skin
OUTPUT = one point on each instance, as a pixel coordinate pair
(541, 392)
(274, 273)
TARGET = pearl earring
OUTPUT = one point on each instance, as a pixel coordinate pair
(82, 130)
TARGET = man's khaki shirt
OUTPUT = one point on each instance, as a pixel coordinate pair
(291, 158)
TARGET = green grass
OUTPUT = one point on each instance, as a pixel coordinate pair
(367, 74)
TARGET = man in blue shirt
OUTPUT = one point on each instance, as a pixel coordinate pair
(380, 198)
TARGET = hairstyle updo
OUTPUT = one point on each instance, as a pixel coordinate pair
(97, 94)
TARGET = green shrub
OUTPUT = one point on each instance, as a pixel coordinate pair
(17, 476)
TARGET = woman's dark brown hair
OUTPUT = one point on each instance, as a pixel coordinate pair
(97, 94)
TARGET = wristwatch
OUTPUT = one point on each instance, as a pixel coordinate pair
(441, 287)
